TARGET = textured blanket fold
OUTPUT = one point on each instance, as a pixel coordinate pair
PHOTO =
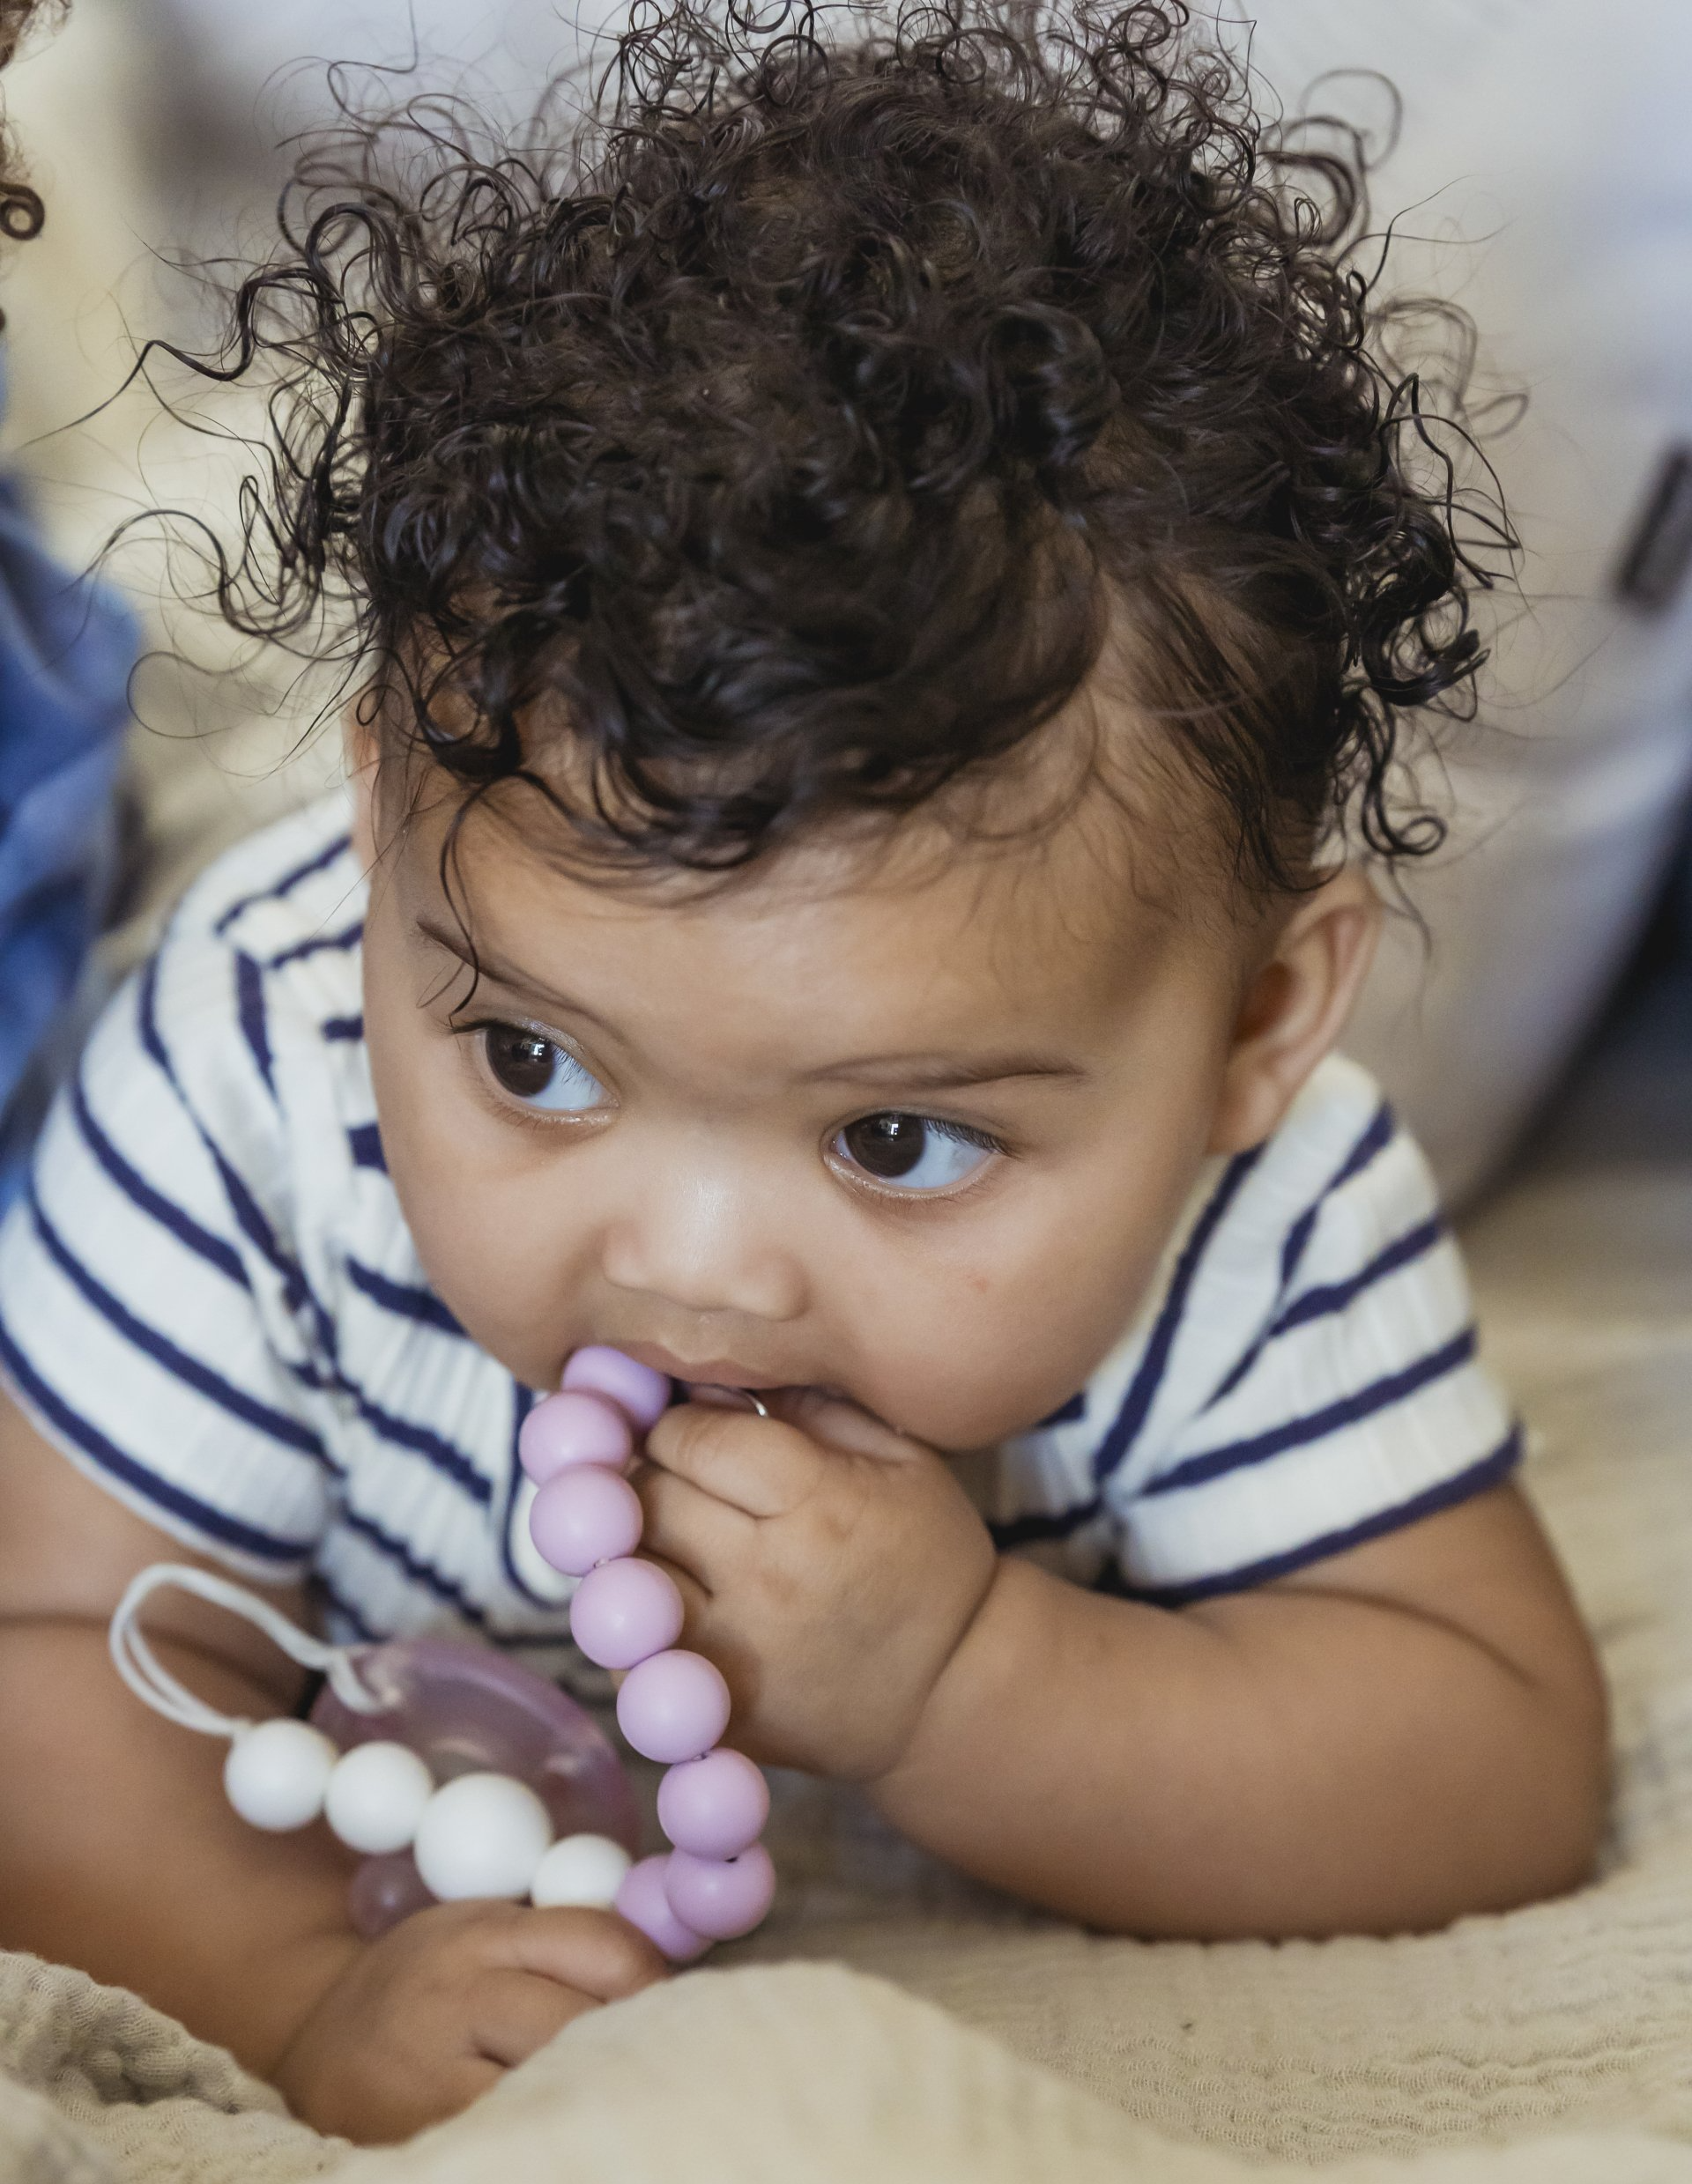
(1551, 2047)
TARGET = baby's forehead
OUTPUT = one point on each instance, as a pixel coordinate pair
(991, 905)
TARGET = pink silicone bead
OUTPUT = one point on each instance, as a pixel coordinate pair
(585, 1516)
(715, 1807)
(573, 1428)
(673, 1707)
(642, 1900)
(720, 1897)
(624, 1612)
(641, 1394)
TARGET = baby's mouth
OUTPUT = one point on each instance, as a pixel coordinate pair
(699, 1376)
(704, 1372)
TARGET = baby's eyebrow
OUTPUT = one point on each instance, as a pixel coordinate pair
(497, 972)
(947, 1073)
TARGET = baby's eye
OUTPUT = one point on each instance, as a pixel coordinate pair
(538, 1072)
(913, 1151)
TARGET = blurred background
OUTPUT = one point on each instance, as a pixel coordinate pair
(1539, 174)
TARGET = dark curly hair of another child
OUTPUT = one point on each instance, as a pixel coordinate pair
(789, 436)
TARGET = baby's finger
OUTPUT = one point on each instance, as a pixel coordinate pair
(759, 1465)
(685, 1524)
(839, 1423)
(595, 1950)
(694, 1588)
(514, 2014)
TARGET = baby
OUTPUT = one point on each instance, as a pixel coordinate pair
(882, 584)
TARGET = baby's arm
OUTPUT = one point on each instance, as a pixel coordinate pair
(120, 1854)
(1407, 1732)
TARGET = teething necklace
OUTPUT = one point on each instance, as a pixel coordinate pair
(673, 1707)
(483, 1831)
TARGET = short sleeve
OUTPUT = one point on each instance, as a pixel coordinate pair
(1333, 1389)
(154, 1322)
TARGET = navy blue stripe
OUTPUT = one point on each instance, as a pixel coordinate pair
(296, 1292)
(275, 1423)
(1318, 1304)
(1378, 1134)
(1066, 1413)
(241, 1203)
(1115, 1444)
(1375, 1137)
(1024, 1531)
(320, 944)
(420, 1442)
(287, 884)
(249, 1006)
(349, 1028)
(421, 1572)
(1462, 1487)
(1317, 1424)
(410, 1303)
(416, 1440)
(267, 1546)
(364, 1140)
(182, 1225)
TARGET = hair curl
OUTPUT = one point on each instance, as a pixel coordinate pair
(22, 213)
(789, 432)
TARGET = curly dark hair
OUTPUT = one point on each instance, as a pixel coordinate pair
(787, 434)
(21, 210)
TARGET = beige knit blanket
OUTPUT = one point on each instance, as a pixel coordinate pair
(1552, 2045)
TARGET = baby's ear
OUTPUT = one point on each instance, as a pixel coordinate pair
(1295, 1007)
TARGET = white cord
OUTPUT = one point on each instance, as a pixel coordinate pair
(153, 1684)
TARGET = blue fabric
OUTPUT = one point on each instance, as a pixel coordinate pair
(66, 650)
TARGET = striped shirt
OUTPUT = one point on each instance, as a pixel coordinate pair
(210, 1300)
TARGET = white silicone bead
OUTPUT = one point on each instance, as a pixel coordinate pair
(375, 1798)
(580, 1869)
(482, 1835)
(277, 1773)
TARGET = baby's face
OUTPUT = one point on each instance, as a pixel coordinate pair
(913, 1129)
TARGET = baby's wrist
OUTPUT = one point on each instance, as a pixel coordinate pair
(968, 1689)
(305, 1977)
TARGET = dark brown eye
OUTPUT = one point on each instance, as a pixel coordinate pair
(537, 1071)
(914, 1150)
(887, 1145)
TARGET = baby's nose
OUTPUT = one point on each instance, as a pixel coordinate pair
(703, 1246)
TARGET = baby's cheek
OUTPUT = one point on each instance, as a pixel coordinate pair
(961, 1361)
(988, 1345)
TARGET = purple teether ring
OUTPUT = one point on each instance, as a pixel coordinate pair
(643, 1903)
(720, 1897)
(583, 1516)
(642, 1395)
(627, 1614)
(716, 1806)
(465, 1710)
(571, 1428)
(673, 1707)
(624, 1611)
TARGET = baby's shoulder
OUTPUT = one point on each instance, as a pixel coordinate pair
(243, 1035)
(1341, 1168)
(265, 946)
(294, 891)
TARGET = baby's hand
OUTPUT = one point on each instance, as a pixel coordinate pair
(830, 1569)
(428, 2016)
